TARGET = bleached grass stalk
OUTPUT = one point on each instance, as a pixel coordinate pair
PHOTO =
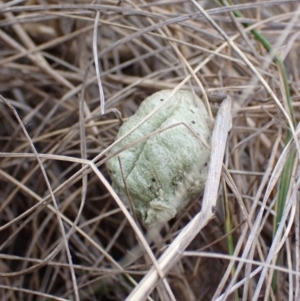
(181, 242)
(97, 67)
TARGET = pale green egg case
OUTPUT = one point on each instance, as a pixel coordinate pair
(166, 171)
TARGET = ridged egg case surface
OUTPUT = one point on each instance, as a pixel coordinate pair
(166, 171)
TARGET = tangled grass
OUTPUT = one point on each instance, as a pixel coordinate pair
(68, 70)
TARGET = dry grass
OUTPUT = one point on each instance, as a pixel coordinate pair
(64, 235)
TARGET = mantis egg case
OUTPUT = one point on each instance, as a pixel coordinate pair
(166, 171)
